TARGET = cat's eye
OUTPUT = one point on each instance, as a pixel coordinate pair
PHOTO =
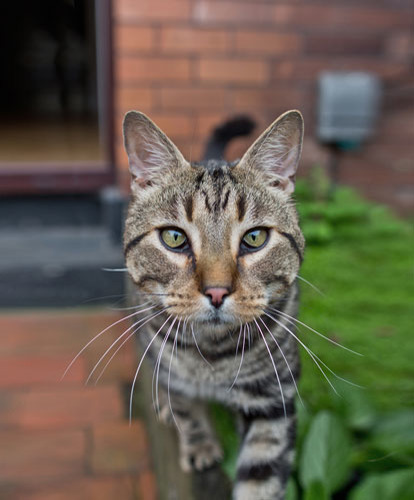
(174, 238)
(254, 239)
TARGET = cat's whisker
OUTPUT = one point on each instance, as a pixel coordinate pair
(94, 299)
(155, 375)
(198, 348)
(311, 285)
(130, 308)
(145, 320)
(99, 335)
(169, 376)
(182, 342)
(158, 365)
(238, 342)
(336, 375)
(287, 316)
(115, 270)
(286, 361)
(241, 358)
(185, 325)
(311, 353)
(274, 367)
(140, 364)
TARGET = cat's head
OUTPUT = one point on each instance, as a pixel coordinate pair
(215, 242)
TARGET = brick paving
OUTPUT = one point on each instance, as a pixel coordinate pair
(60, 440)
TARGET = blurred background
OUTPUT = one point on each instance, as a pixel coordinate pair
(71, 69)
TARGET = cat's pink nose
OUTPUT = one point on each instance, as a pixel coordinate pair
(216, 295)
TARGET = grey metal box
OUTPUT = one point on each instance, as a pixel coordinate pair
(349, 105)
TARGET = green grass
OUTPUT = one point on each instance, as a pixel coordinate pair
(365, 270)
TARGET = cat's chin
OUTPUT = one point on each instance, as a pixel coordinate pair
(217, 322)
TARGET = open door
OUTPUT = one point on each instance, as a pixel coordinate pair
(55, 96)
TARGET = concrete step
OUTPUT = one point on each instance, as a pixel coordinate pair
(49, 266)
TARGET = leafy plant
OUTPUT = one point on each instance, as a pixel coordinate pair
(325, 458)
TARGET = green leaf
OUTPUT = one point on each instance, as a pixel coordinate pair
(326, 453)
(355, 407)
(395, 485)
(394, 432)
(291, 490)
(316, 491)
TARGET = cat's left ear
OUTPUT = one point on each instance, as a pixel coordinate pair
(277, 151)
(150, 152)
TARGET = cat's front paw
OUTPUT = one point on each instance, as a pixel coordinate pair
(200, 456)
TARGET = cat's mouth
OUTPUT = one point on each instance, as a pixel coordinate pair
(216, 320)
(216, 317)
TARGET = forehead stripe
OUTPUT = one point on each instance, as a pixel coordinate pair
(241, 207)
(188, 205)
(226, 200)
(293, 243)
(134, 242)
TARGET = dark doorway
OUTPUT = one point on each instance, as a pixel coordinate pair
(54, 117)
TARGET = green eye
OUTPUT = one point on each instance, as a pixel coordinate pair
(255, 238)
(173, 238)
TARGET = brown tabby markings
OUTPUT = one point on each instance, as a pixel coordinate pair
(215, 204)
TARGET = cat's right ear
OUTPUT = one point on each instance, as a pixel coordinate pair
(150, 152)
(277, 151)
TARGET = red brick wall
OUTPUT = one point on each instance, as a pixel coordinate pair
(189, 64)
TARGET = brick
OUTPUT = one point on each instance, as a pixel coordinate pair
(400, 45)
(192, 149)
(31, 371)
(361, 170)
(259, 42)
(256, 99)
(191, 40)
(401, 198)
(337, 16)
(309, 69)
(121, 367)
(236, 71)
(207, 122)
(174, 124)
(127, 98)
(60, 408)
(129, 38)
(237, 148)
(135, 69)
(147, 486)
(63, 336)
(194, 98)
(121, 160)
(152, 10)
(50, 332)
(304, 69)
(343, 44)
(40, 456)
(232, 12)
(118, 447)
(104, 488)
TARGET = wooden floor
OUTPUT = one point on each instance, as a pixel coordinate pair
(24, 145)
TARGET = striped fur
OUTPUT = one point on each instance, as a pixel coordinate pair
(239, 354)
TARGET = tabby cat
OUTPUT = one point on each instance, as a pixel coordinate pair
(214, 249)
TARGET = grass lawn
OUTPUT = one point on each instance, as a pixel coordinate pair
(362, 259)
